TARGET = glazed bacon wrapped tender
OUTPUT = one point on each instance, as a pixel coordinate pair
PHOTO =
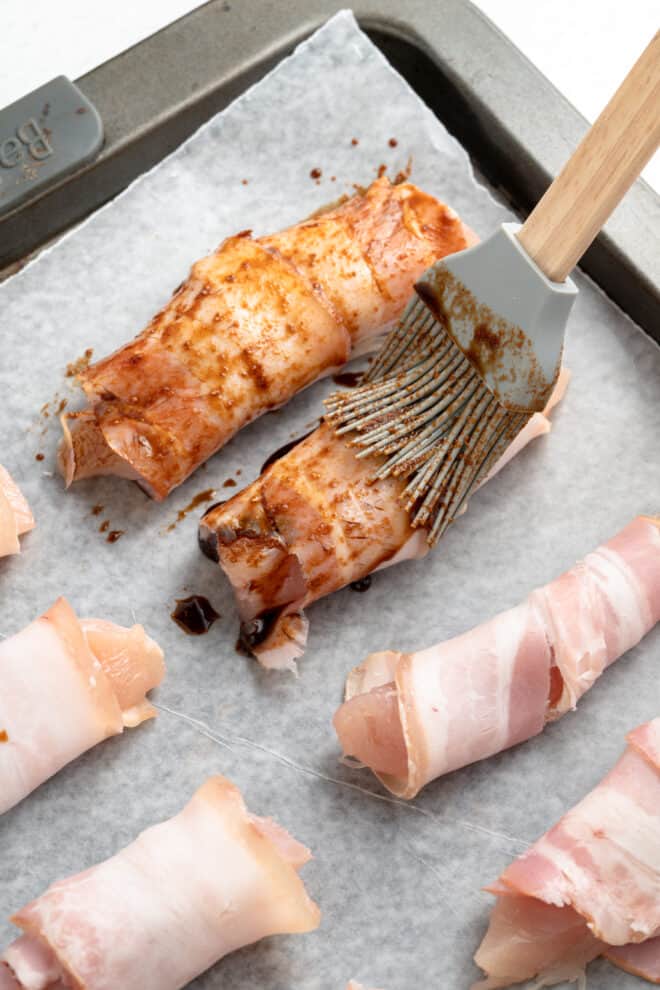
(310, 524)
(589, 887)
(413, 717)
(161, 911)
(67, 684)
(255, 323)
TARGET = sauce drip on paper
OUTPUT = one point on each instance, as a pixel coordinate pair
(349, 379)
(363, 584)
(256, 631)
(194, 503)
(195, 615)
(284, 449)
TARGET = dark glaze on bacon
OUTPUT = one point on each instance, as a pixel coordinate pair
(310, 524)
(307, 526)
(256, 322)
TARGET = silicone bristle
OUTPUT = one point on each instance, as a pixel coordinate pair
(426, 413)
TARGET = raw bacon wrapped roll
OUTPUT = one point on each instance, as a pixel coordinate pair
(255, 322)
(172, 903)
(416, 716)
(589, 887)
(15, 515)
(67, 684)
(312, 523)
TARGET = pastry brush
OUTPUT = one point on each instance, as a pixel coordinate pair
(479, 347)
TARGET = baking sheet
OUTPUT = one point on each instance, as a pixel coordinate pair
(398, 884)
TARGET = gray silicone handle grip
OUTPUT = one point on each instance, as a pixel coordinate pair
(44, 136)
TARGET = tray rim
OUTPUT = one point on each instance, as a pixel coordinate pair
(235, 44)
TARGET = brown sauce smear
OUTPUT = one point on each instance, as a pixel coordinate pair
(195, 615)
(283, 450)
(556, 687)
(242, 649)
(97, 510)
(492, 336)
(105, 526)
(194, 503)
(484, 348)
(3, 736)
(208, 540)
(362, 585)
(81, 364)
(39, 457)
(229, 483)
(216, 505)
(316, 173)
(349, 379)
(114, 535)
(404, 174)
(256, 631)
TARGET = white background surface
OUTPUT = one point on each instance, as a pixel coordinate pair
(584, 46)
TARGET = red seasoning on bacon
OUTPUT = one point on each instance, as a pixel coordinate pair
(66, 685)
(416, 716)
(589, 887)
(312, 523)
(167, 907)
(254, 323)
(15, 515)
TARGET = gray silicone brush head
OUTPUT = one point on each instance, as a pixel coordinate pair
(505, 315)
(476, 353)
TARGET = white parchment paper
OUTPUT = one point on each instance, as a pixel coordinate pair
(399, 884)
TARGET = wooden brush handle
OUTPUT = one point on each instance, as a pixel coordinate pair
(593, 181)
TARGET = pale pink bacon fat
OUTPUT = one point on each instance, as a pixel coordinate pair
(167, 907)
(414, 717)
(68, 684)
(590, 886)
(15, 515)
(254, 323)
(312, 523)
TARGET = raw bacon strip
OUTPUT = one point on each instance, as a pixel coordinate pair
(309, 525)
(589, 886)
(256, 322)
(15, 515)
(641, 959)
(65, 685)
(168, 906)
(31, 961)
(131, 661)
(413, 717)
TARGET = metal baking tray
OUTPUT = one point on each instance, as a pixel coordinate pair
(515, 125)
